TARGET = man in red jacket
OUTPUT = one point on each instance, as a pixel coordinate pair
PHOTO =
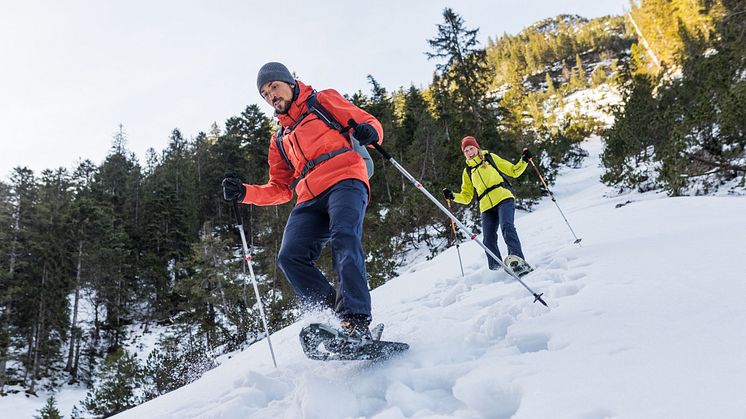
(314, 157)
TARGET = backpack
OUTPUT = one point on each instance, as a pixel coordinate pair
(504, 184)
(314, 107)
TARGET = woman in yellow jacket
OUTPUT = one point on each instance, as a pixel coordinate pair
(496, 201)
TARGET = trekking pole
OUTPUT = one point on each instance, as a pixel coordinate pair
(418, 185)
(577, 240)
(249, 262)
(455, 238)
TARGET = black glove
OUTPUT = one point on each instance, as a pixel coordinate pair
(448, 194)
(365, 134)
(526, 155)
(233, 189)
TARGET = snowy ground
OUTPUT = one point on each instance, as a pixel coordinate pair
(645, 321)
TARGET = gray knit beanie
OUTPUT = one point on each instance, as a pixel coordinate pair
(273, 72)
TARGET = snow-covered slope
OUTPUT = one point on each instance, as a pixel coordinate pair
(646, 320)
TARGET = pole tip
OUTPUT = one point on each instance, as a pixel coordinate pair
(539, 299)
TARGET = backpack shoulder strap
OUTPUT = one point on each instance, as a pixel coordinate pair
(281, 149)
(314, 106)
(491, 161)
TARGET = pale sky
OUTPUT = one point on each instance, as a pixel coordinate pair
(72, 71)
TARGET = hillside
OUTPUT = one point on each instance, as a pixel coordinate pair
(644, 321)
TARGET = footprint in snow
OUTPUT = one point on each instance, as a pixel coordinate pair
(565, 290)
(533, 342)
(453, 295)
(558, 263)
(575, 275)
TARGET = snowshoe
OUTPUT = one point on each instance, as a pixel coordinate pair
(325, 343)
(516, 265)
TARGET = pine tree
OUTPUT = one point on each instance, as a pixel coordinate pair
(49, 411)
(464, 73)
(381, 104)
(635, 130)
(117, 388)
(551, 90)
(24, 302)
(431, 158)
(116, 191)
(87, 223)
(566, 73)
(210, 296)
(176, 362)
(598, 76)
(168, 223)
(49, 277)
(580, 71)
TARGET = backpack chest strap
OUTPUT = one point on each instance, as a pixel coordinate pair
(488, 190)
(313, 163)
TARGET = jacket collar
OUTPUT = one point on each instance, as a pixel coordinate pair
(297, 107)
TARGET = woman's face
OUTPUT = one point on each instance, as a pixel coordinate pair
(470, 152)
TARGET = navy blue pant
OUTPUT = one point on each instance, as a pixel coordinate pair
(502, 215)
(335, 216)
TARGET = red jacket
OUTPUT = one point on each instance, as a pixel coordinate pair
(309, 140)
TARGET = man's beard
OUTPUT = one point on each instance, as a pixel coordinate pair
(282, 106)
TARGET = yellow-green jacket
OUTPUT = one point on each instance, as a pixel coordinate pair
(483, 176)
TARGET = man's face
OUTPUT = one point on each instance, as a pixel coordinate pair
(278, 94)
(470, 151)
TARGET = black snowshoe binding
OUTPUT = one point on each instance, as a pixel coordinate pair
(515, 264)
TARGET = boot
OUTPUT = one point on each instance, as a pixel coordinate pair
(356, 326)
(353, 332)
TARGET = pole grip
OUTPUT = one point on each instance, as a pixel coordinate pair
(237, 212)
(381, 150)
(453, 223)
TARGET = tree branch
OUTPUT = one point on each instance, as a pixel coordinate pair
(722, 166)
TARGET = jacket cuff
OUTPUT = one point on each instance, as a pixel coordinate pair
(245, 199)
